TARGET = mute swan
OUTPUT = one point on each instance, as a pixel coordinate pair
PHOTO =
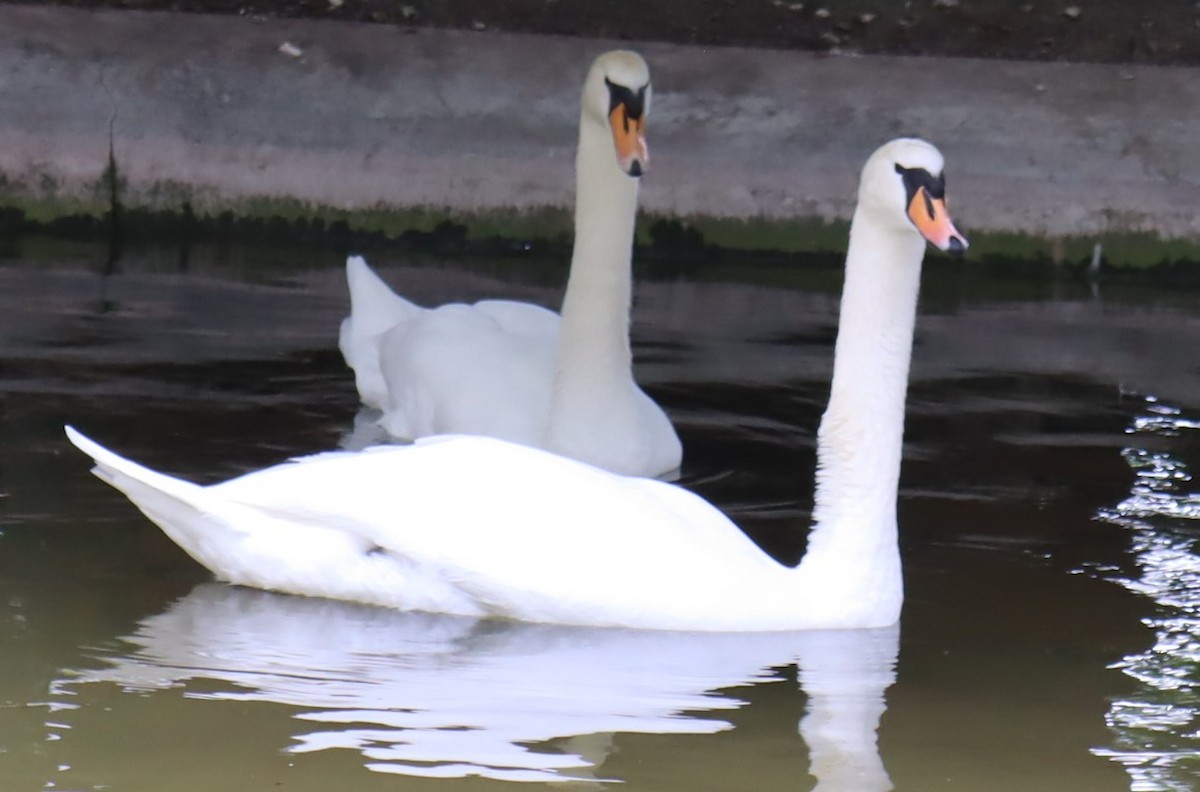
(479, 526)
(515, 370)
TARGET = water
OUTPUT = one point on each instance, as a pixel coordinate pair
(1158, 724)
(1051, 631)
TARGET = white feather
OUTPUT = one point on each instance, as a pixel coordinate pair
(476, 525)
(518, 371)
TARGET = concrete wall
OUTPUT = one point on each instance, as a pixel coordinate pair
(210, 110)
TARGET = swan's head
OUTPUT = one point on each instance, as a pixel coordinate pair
(617, 95)
(903, 184)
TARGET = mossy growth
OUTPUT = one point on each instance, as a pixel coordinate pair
(171, 212)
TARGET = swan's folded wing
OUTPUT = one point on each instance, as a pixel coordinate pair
(523, 319)
(525, 533)
(661, 558)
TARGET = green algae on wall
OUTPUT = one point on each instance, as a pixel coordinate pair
(166, 207)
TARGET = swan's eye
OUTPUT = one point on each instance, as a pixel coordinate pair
(916, 178)
(920, 181)
(619, 95)
(627, 122)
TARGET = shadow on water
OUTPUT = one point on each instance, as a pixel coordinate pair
(1014, 670)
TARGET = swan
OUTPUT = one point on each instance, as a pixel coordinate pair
(518, 371)
(483, 527)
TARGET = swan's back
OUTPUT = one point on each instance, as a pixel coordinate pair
(462, 368)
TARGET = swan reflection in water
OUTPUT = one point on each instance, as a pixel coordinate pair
(444, 696)
(1157, 727)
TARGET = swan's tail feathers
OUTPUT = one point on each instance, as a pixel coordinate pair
(179, 507)
(374, 309)
(129, 476)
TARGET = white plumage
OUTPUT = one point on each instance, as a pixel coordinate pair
(518, 371)
(480, 526)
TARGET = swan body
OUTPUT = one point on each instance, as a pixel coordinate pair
(398, 530)
(518, 371)
(483, 527)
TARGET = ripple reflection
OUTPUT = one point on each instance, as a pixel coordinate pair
(438, 696)
(1157, 728)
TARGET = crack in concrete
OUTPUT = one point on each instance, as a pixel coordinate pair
(111, 175)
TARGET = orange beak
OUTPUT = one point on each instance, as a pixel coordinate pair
(629, 136)
(930, 217)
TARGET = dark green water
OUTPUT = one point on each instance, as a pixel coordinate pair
(1050, 637)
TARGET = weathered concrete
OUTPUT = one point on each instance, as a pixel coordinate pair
(209, 109)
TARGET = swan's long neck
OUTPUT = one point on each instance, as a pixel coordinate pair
(859, 442)
(594, 358)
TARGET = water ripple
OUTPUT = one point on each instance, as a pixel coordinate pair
(1157, 728)
(440, 696)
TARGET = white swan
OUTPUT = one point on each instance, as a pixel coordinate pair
(515, 370)
(479, 526)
